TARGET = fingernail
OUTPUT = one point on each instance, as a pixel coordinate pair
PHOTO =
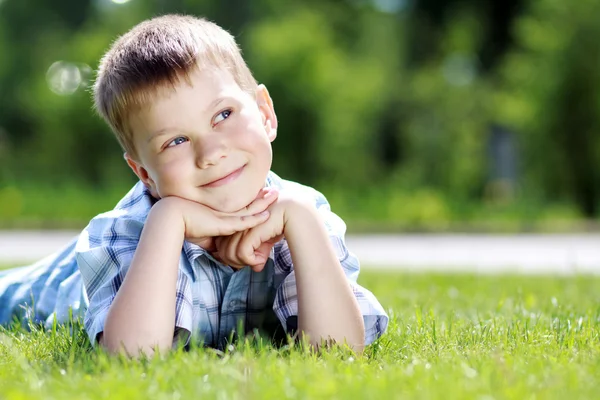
(264, 213)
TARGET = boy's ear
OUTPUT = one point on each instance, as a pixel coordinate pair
(141, 173)
(265, 105)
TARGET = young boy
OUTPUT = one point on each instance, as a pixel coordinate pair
(209, 240)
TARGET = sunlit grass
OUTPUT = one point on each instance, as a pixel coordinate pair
(450, 337)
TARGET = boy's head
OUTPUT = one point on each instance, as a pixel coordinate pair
(187, 110)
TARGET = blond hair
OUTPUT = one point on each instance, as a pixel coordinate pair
(155, 55)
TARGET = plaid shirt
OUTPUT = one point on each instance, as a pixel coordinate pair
(213, 300)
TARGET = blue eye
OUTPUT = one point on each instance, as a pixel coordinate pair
(222, 116)
(177, 141)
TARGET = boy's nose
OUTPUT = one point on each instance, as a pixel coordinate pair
(209, 153)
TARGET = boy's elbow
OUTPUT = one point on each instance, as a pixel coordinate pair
(355, 342)
(132, 350)
(358, 349)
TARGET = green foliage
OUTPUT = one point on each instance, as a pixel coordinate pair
(450, 337)
(371, 101)
(550, 92)
(64, 205)
(327, 99)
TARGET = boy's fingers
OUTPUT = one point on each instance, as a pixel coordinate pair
(234, 253)
(221, 254)
(262, 203)
(237, 224)
(258, 257)
(259, 204)
(263, 252)
(224, 245)
(230, 250)
(256, 243)
(207, 243)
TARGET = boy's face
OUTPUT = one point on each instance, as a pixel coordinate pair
(208, 142)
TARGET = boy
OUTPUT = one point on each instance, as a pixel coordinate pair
(209, 240)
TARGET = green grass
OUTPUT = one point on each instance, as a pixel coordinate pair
(450, 337)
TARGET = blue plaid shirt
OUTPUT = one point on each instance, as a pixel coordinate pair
(213, 300)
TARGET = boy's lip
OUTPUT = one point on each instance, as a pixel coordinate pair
(225, 179)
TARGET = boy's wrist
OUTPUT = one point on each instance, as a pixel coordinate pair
(298, 213)
(169, 212)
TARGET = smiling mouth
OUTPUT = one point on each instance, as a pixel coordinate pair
(226, 179)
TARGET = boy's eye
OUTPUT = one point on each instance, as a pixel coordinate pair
(221, 116)
(177, 141)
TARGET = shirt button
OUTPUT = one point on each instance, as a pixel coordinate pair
(233, 303)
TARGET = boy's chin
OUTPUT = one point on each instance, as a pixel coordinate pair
(232, 205)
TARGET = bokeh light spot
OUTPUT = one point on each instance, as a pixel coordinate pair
(390, 6)
(120, 1)
(86, 74)
(65, 78)
(460, 69)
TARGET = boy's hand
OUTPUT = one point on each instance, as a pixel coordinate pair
(253, 247)
(229, 251)
(203, 224)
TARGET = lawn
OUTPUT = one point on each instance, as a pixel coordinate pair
(450, 337)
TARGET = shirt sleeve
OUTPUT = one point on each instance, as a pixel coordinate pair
(286, 299)
(104, 252)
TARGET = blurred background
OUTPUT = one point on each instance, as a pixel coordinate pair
(410, 115)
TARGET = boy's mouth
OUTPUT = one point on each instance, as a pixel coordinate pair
(225, 179)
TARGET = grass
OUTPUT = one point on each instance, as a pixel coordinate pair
(450, 337)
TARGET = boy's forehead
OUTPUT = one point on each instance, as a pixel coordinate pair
(193, 94)
(205, 86)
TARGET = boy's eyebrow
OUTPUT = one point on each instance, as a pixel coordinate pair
(160, 133)
(216, 102)
(164, 131)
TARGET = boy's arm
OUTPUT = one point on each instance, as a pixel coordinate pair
(327, 307)
(141, 317)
